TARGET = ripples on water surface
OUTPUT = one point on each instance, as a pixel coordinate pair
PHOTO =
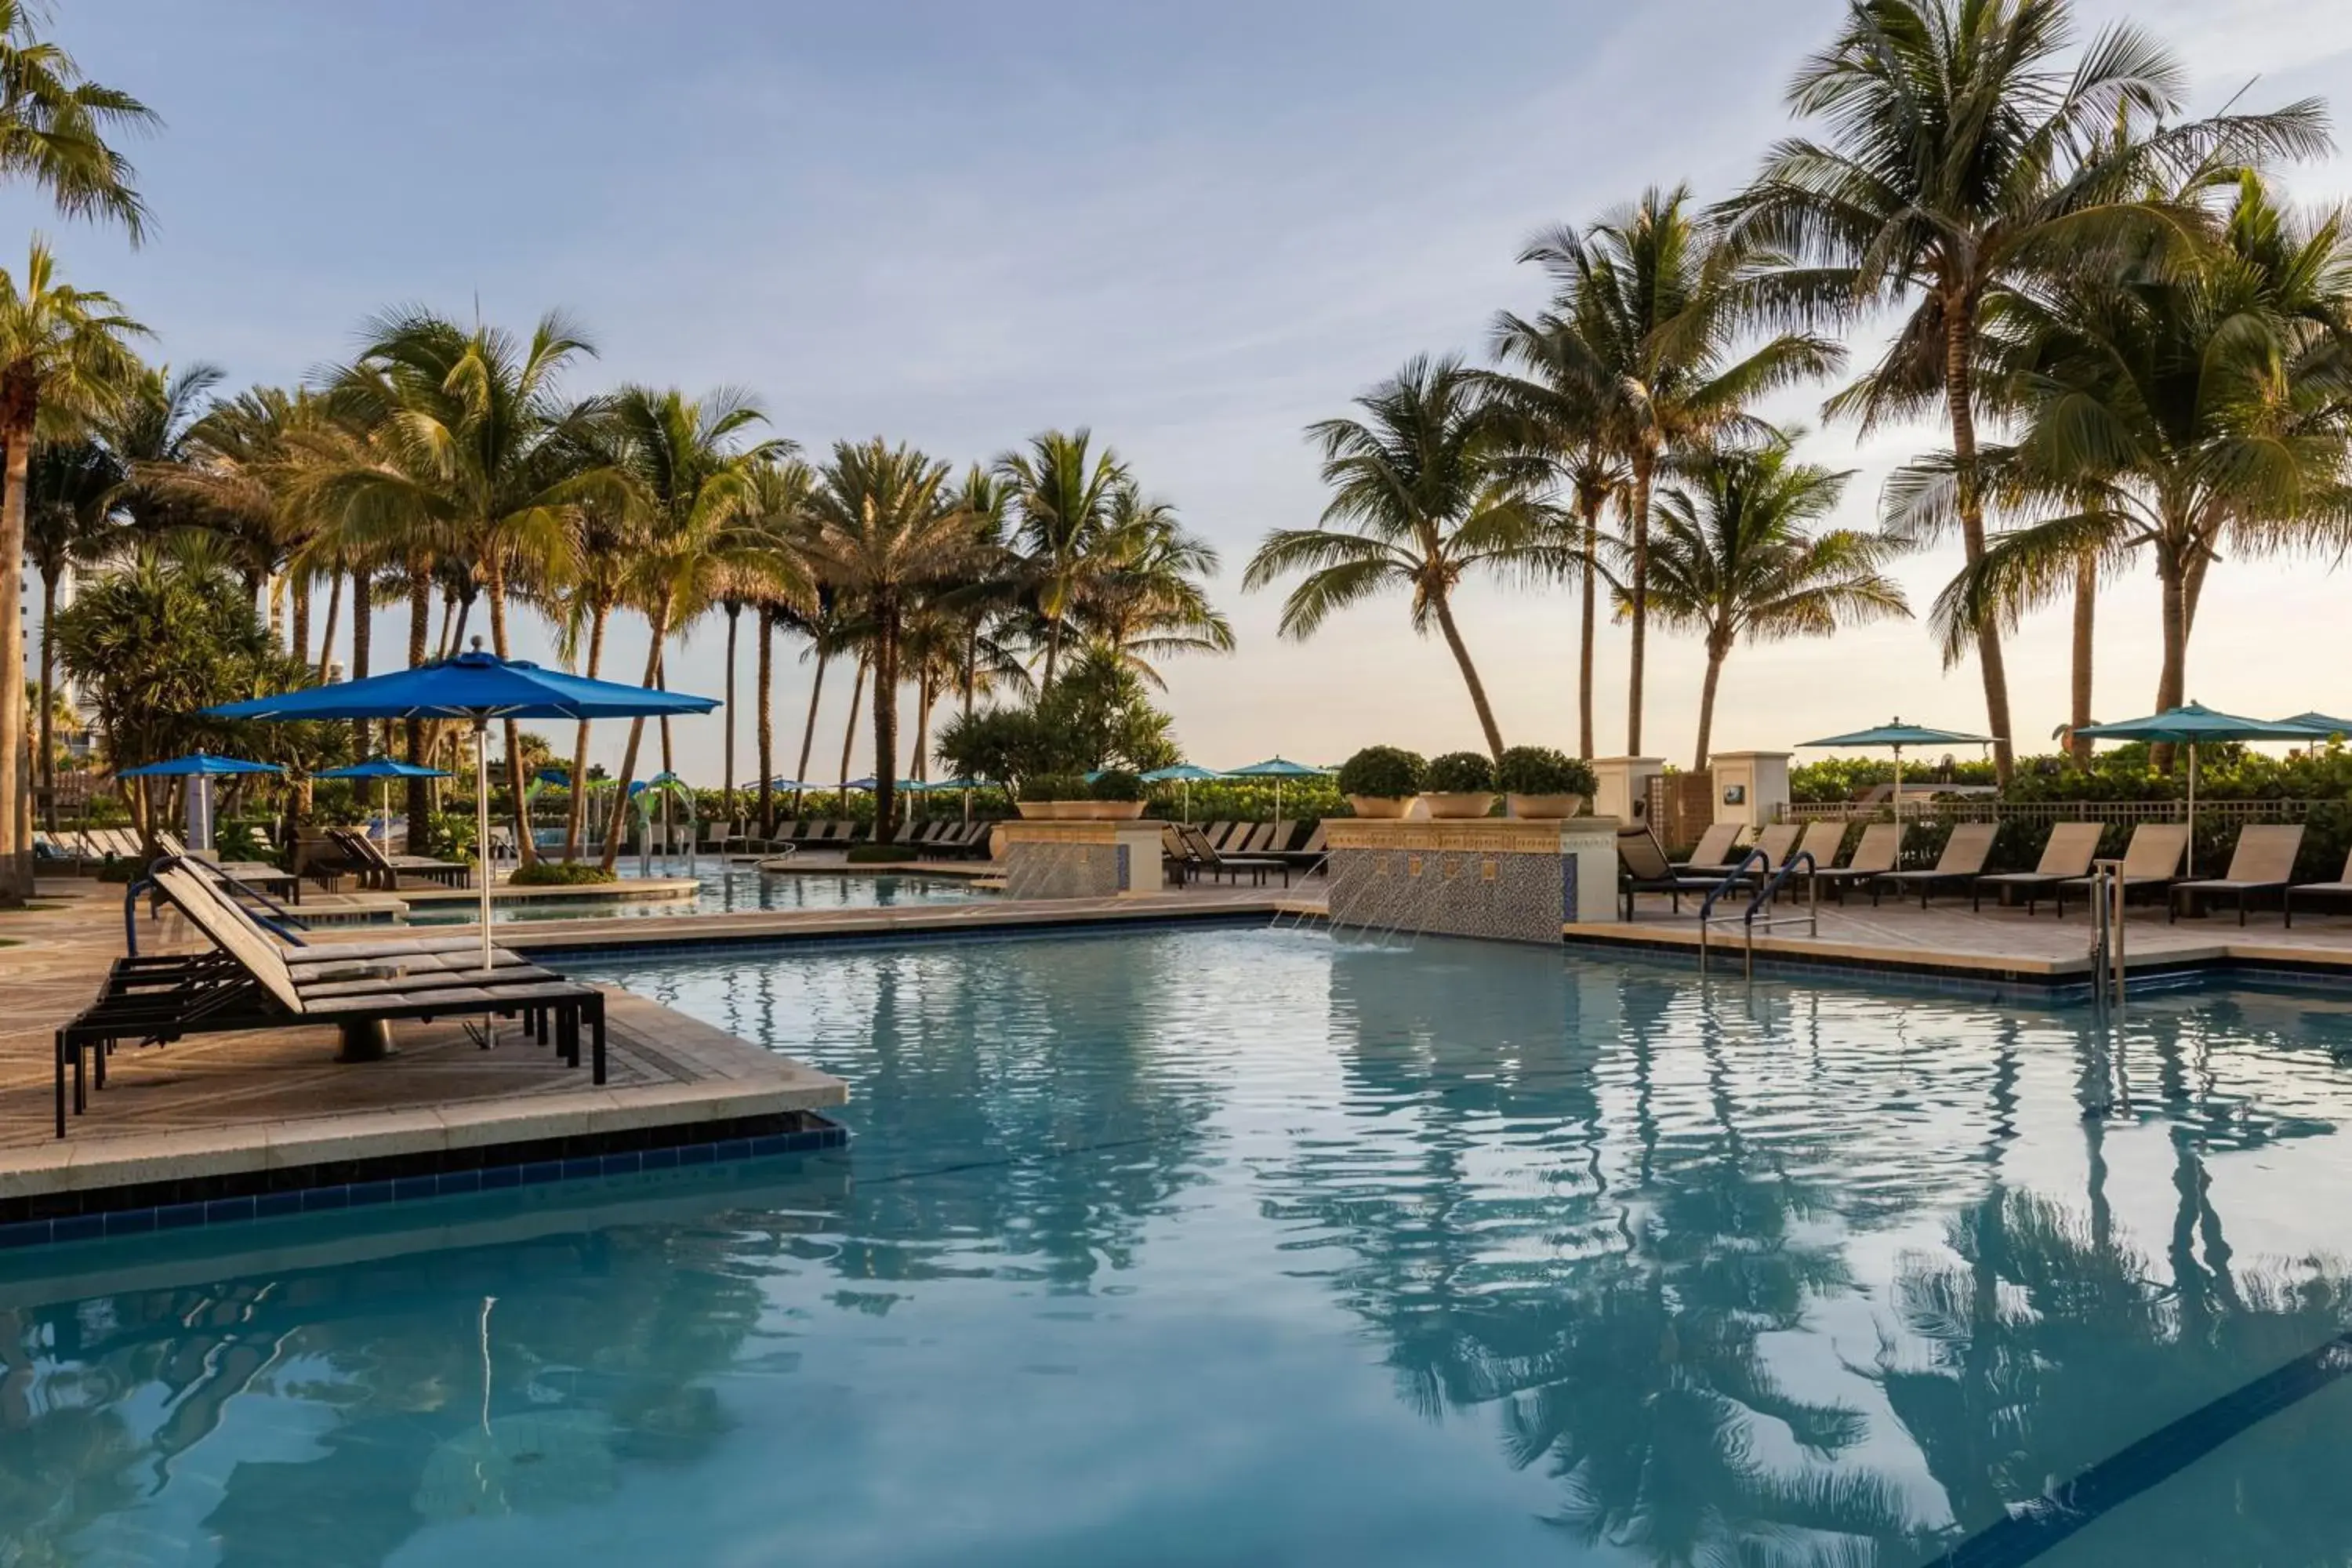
(1235, 1248)
(728, 891)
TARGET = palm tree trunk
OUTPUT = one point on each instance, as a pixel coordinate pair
(1052, 654)
(575, 812)
(334, 620)
(526, 852)
(808, 731)
(1585, 631)
(2172, 678)
(849, 731)
(420, 622)
(15, 782)
(1469, 674)
(727, 772)
(1715, 657)
(925, 695)
(2086, 607)
(46, 757)
(766, 720)
(302, 623)
(636, 736)
(1638, 598)
(1960, 334)
(885, 717)
(363, 643)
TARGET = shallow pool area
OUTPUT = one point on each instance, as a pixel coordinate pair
(725, 890)
(1212, 1247)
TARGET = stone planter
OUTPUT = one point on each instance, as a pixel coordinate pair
(1447, 807)
(1119, 810)
(1546, 807)
(1380, 807)
(1039, 810)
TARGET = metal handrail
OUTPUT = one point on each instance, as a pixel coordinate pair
(1731, 878)
(1771, 888)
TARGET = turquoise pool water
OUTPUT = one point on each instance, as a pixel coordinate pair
(725, 890)
(1215, 1248)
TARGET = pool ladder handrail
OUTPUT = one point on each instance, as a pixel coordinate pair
(1767, 895)
(2108, 891)
(1737, 877)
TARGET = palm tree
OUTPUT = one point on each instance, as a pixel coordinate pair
(1427, 491)
(606, 534)
(1146, 599)
(684, 467)
(1650, 305)
(1735, 557)
(63, 357)
(1964, 160)
(778, 583)
(1062, 495)
(885, 526)
(2184, 413)
(70, 520)
(54, 124)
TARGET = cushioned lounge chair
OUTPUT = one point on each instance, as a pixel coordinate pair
(2152, 860)
(2263, 862)
(1963, 860)
(2066, 854)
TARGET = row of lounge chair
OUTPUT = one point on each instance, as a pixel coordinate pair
(950, 836)
(378, 867)
(2263, 864)
(258, 975)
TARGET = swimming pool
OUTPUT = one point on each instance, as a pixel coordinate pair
(726, 890)
(1235, 1246)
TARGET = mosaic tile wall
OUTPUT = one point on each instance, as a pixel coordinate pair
(1047, 870)
(1500, 894)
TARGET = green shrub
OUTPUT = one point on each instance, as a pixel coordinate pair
(560, 874)
(1117, 783)
(1054, 786)
(1541, 770)
(1383, 772)
(882, 854)
(1459, 773)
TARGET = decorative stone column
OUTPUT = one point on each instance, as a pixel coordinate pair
(1621, 787)
(1751, 788)
(1083, 859)
(1496, 877)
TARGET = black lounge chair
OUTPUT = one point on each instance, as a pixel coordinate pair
(2339, 889)
(2066, 854)
(250, 980)
(2263, 862)
(1963, 860)
(1211, 862)
(384, 870)
(1643, 868)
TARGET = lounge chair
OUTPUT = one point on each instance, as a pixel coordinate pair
(2152, 859)
(2263, 862)
(251, 981)
(2339, 889)
(1643, 868)
(1217, 833)
(1217, 864)
(1877, 855)
(1313, 854)
(386, 870)
(1820, 839)
(2066, 854)
(1963, 860)
(1712, 852)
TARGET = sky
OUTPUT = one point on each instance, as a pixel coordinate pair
(1194, 229)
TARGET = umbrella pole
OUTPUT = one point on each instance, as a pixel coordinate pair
(482, 831)
(2191, 851)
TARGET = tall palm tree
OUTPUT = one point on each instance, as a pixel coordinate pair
(778, 582)
(1062, 494)
(1735, 558)
(1427, 490)
(53, 123)
(2181, 413)
(70, 520)
(686, 467)
(1643, 343)
(885, 527)
(607, 530)
(64, 357)
(1963, 158)
(1148, 598)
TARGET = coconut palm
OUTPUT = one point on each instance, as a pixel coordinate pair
(70, 522)
(1147, 598)
(1643, 342)
(54, 124)
(1964, 158)
(1735, 558)
(606, 531)
(2185, 414)
(1426, 490)
(885, 527)
(64, 357)
(778, 583)
(695, 483)
(1061, 494)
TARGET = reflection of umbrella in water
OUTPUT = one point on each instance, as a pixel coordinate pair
(533, 1461)
(2187, 725)
(1186, 774)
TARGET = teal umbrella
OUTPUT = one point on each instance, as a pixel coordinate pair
(2320, 726)
(1278, 769)
(2189, 725)
(1895, 734)
(1185, 773)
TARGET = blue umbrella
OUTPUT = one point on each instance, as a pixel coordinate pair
(1896, 734)
(383, 770)
(2187, 725)
(2320, 726)
(1278, 769)
(477, 686)
(201, 768)
(916, 787)
(1185, 774)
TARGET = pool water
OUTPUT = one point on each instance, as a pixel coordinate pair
(1239, 1246)
(735, 889)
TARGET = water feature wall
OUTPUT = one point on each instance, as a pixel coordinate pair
(1500, 878)
(1082, 859)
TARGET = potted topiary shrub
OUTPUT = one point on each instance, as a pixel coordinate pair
(1543, 785)
(1458, 785)
(1118, 795)
(1051, 798)
(1381, 780)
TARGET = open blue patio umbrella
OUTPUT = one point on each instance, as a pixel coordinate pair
(2189, 725)
(1185, 773)
(2320, 726)
(1896, 734)
(476, 687)
(383, 770)
(1278, 769)
(199, 768)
